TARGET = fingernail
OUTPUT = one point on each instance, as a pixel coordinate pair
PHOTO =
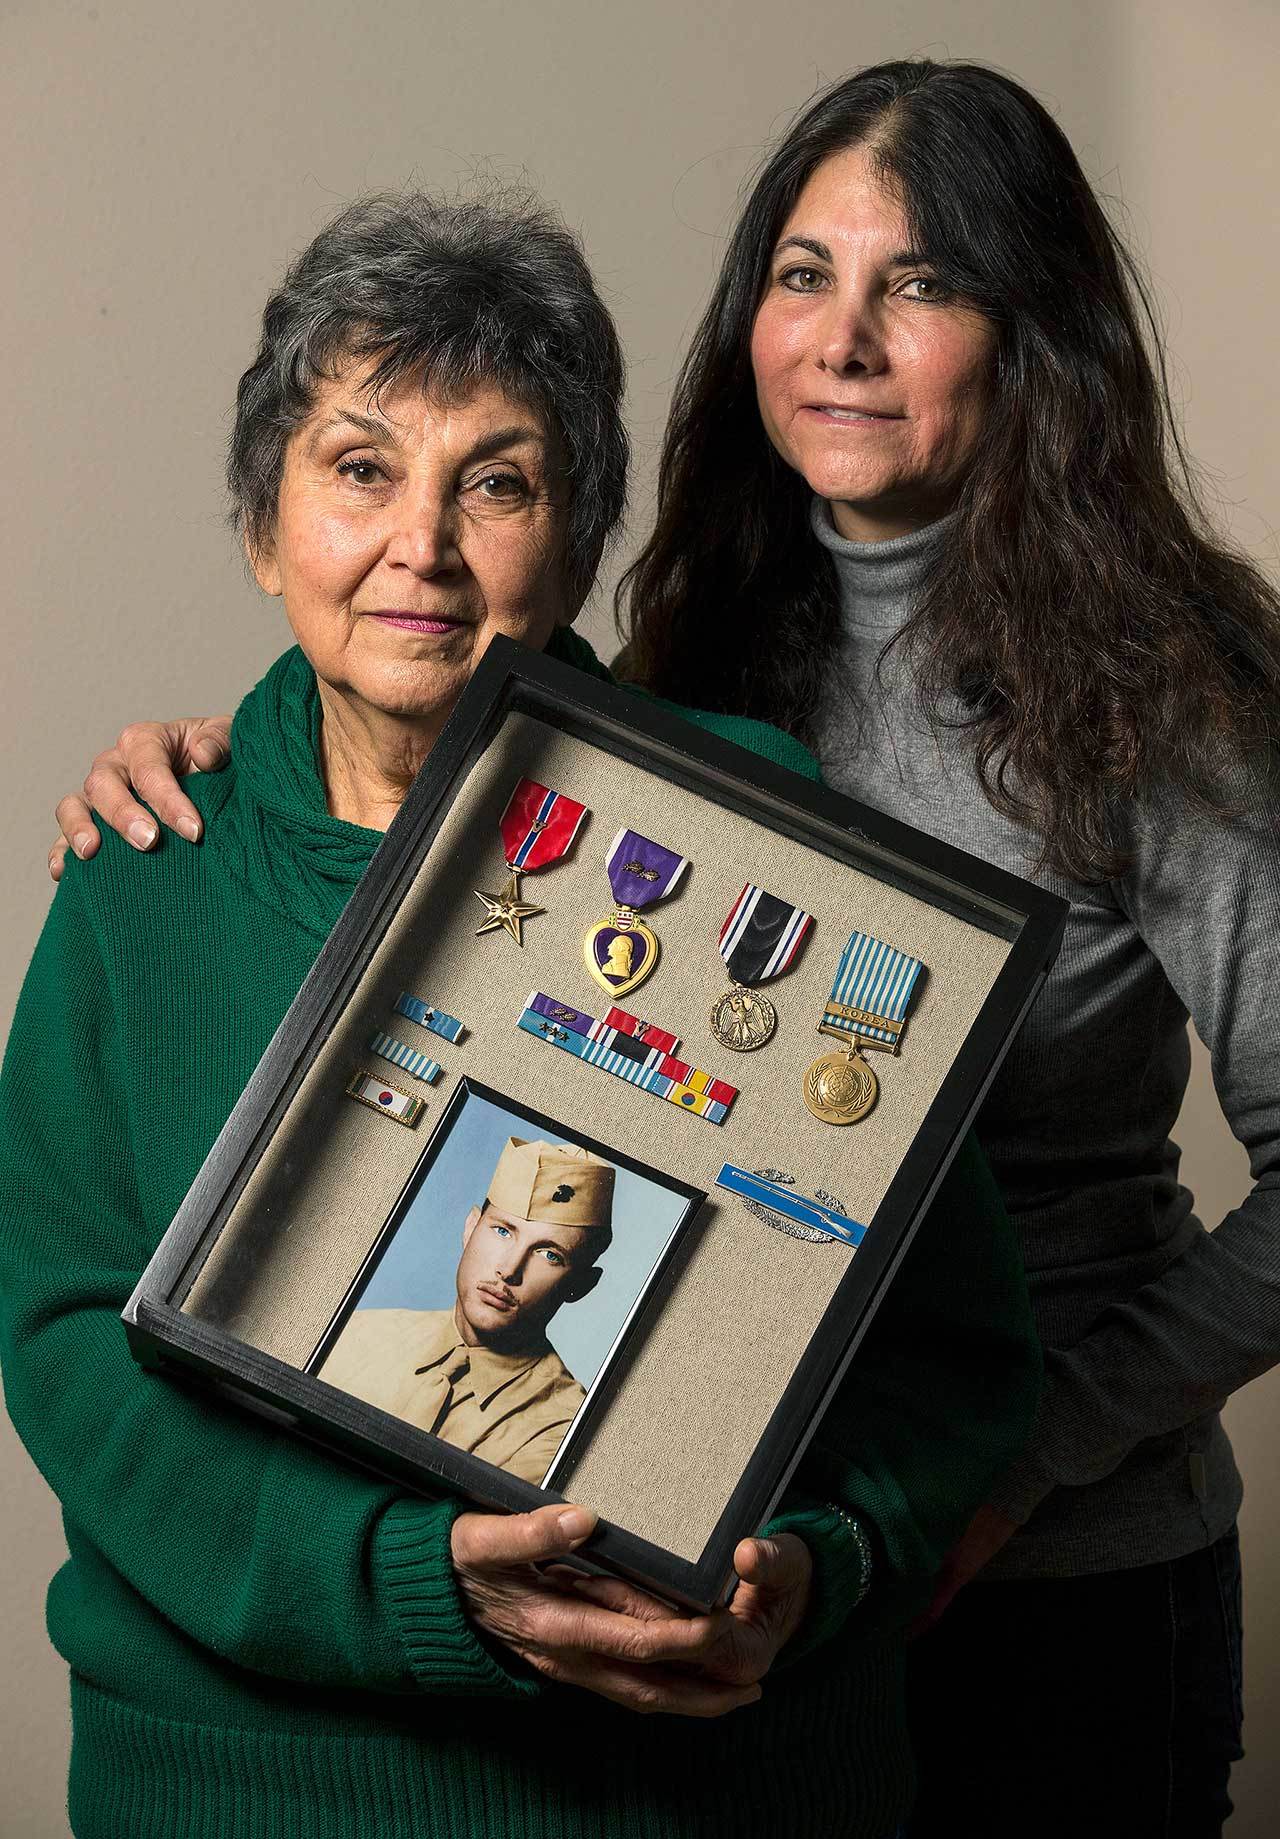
(189, 828)
(204, 753)
(142, 835)
(575, 1523)
(81, 841)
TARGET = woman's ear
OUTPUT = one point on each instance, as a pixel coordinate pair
(261, 553)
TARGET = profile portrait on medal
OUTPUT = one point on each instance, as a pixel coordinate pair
(502, 1284)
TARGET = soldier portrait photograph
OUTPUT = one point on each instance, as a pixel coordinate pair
(502, 1288)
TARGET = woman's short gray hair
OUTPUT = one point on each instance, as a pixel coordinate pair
(492, 290)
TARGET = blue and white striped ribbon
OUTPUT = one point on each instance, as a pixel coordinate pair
(877, 979)
(622, 1066)
(426, 1017)
(422, 1066)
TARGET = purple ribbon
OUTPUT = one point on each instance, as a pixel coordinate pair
(568, 1017)
(642, 872)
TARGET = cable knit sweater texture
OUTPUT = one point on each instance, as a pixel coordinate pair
(265, 1643)
(1149, 1321)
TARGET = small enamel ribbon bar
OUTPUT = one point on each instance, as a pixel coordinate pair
(821, 1215)
(447, 1026)
(621, 951)
(418, 1066)
(760, 939)
(538, 827)
(382, 1096)
(867, 1008)
(629, 1049)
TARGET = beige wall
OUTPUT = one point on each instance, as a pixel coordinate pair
(163, 159)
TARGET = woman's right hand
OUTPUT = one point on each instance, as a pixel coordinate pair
(146, 761)
(631, 1653)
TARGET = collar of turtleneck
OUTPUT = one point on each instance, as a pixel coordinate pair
(879, 582)
(273, 827)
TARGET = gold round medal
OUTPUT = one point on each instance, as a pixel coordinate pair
(840, 1088)
(743, 1019)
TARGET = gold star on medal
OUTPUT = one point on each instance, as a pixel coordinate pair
(506, 910)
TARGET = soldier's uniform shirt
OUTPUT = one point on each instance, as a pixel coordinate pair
(512, 1409)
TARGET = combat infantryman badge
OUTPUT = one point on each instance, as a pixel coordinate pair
(621, 951)
(759, 940)
(538, 827)
(867, 1008)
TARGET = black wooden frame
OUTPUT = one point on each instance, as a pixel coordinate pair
(510, 680)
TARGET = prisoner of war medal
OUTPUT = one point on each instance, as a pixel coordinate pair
(867, 1008)
(621, 951)
(538, 827)
(759, 940)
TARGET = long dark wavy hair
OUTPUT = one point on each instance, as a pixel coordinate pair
(1082, 621)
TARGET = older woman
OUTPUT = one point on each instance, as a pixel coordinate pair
(427, 451)
(942, 501)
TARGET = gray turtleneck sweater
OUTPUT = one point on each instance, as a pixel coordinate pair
(1149, 1321)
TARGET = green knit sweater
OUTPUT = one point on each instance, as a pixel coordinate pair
(267, 1644)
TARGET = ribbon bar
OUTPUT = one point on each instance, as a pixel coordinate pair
(643, 1031)
(426, 1017)
(381, 1096)
(421, 1066)
(872, 991)
(631, 1038)
(620, 1054)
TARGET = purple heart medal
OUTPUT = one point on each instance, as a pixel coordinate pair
(621, 950)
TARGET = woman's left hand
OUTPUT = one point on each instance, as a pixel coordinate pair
(775, 1578)
(986, 1533)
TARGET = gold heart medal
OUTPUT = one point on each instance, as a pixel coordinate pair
(621, 951)
(867, 1008)
(538, 827)
(760, 939)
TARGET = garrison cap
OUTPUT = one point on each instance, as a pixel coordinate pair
(553, 1184)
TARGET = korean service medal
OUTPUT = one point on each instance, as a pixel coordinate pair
(867, 1008)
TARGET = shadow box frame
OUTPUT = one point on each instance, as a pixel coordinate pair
(511, 680)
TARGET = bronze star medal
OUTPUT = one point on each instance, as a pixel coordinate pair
(538, 827)
(506, 910)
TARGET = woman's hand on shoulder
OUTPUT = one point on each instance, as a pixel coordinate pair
(145, 763)
(601, 1633)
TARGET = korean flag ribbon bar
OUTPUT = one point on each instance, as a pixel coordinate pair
(867, 1008)
(447, 1026)
(621, 951)
(538, 827)
(760, 939)
(381, 1095)
(780, 1198)
(419, 1066)
(630, 1049)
